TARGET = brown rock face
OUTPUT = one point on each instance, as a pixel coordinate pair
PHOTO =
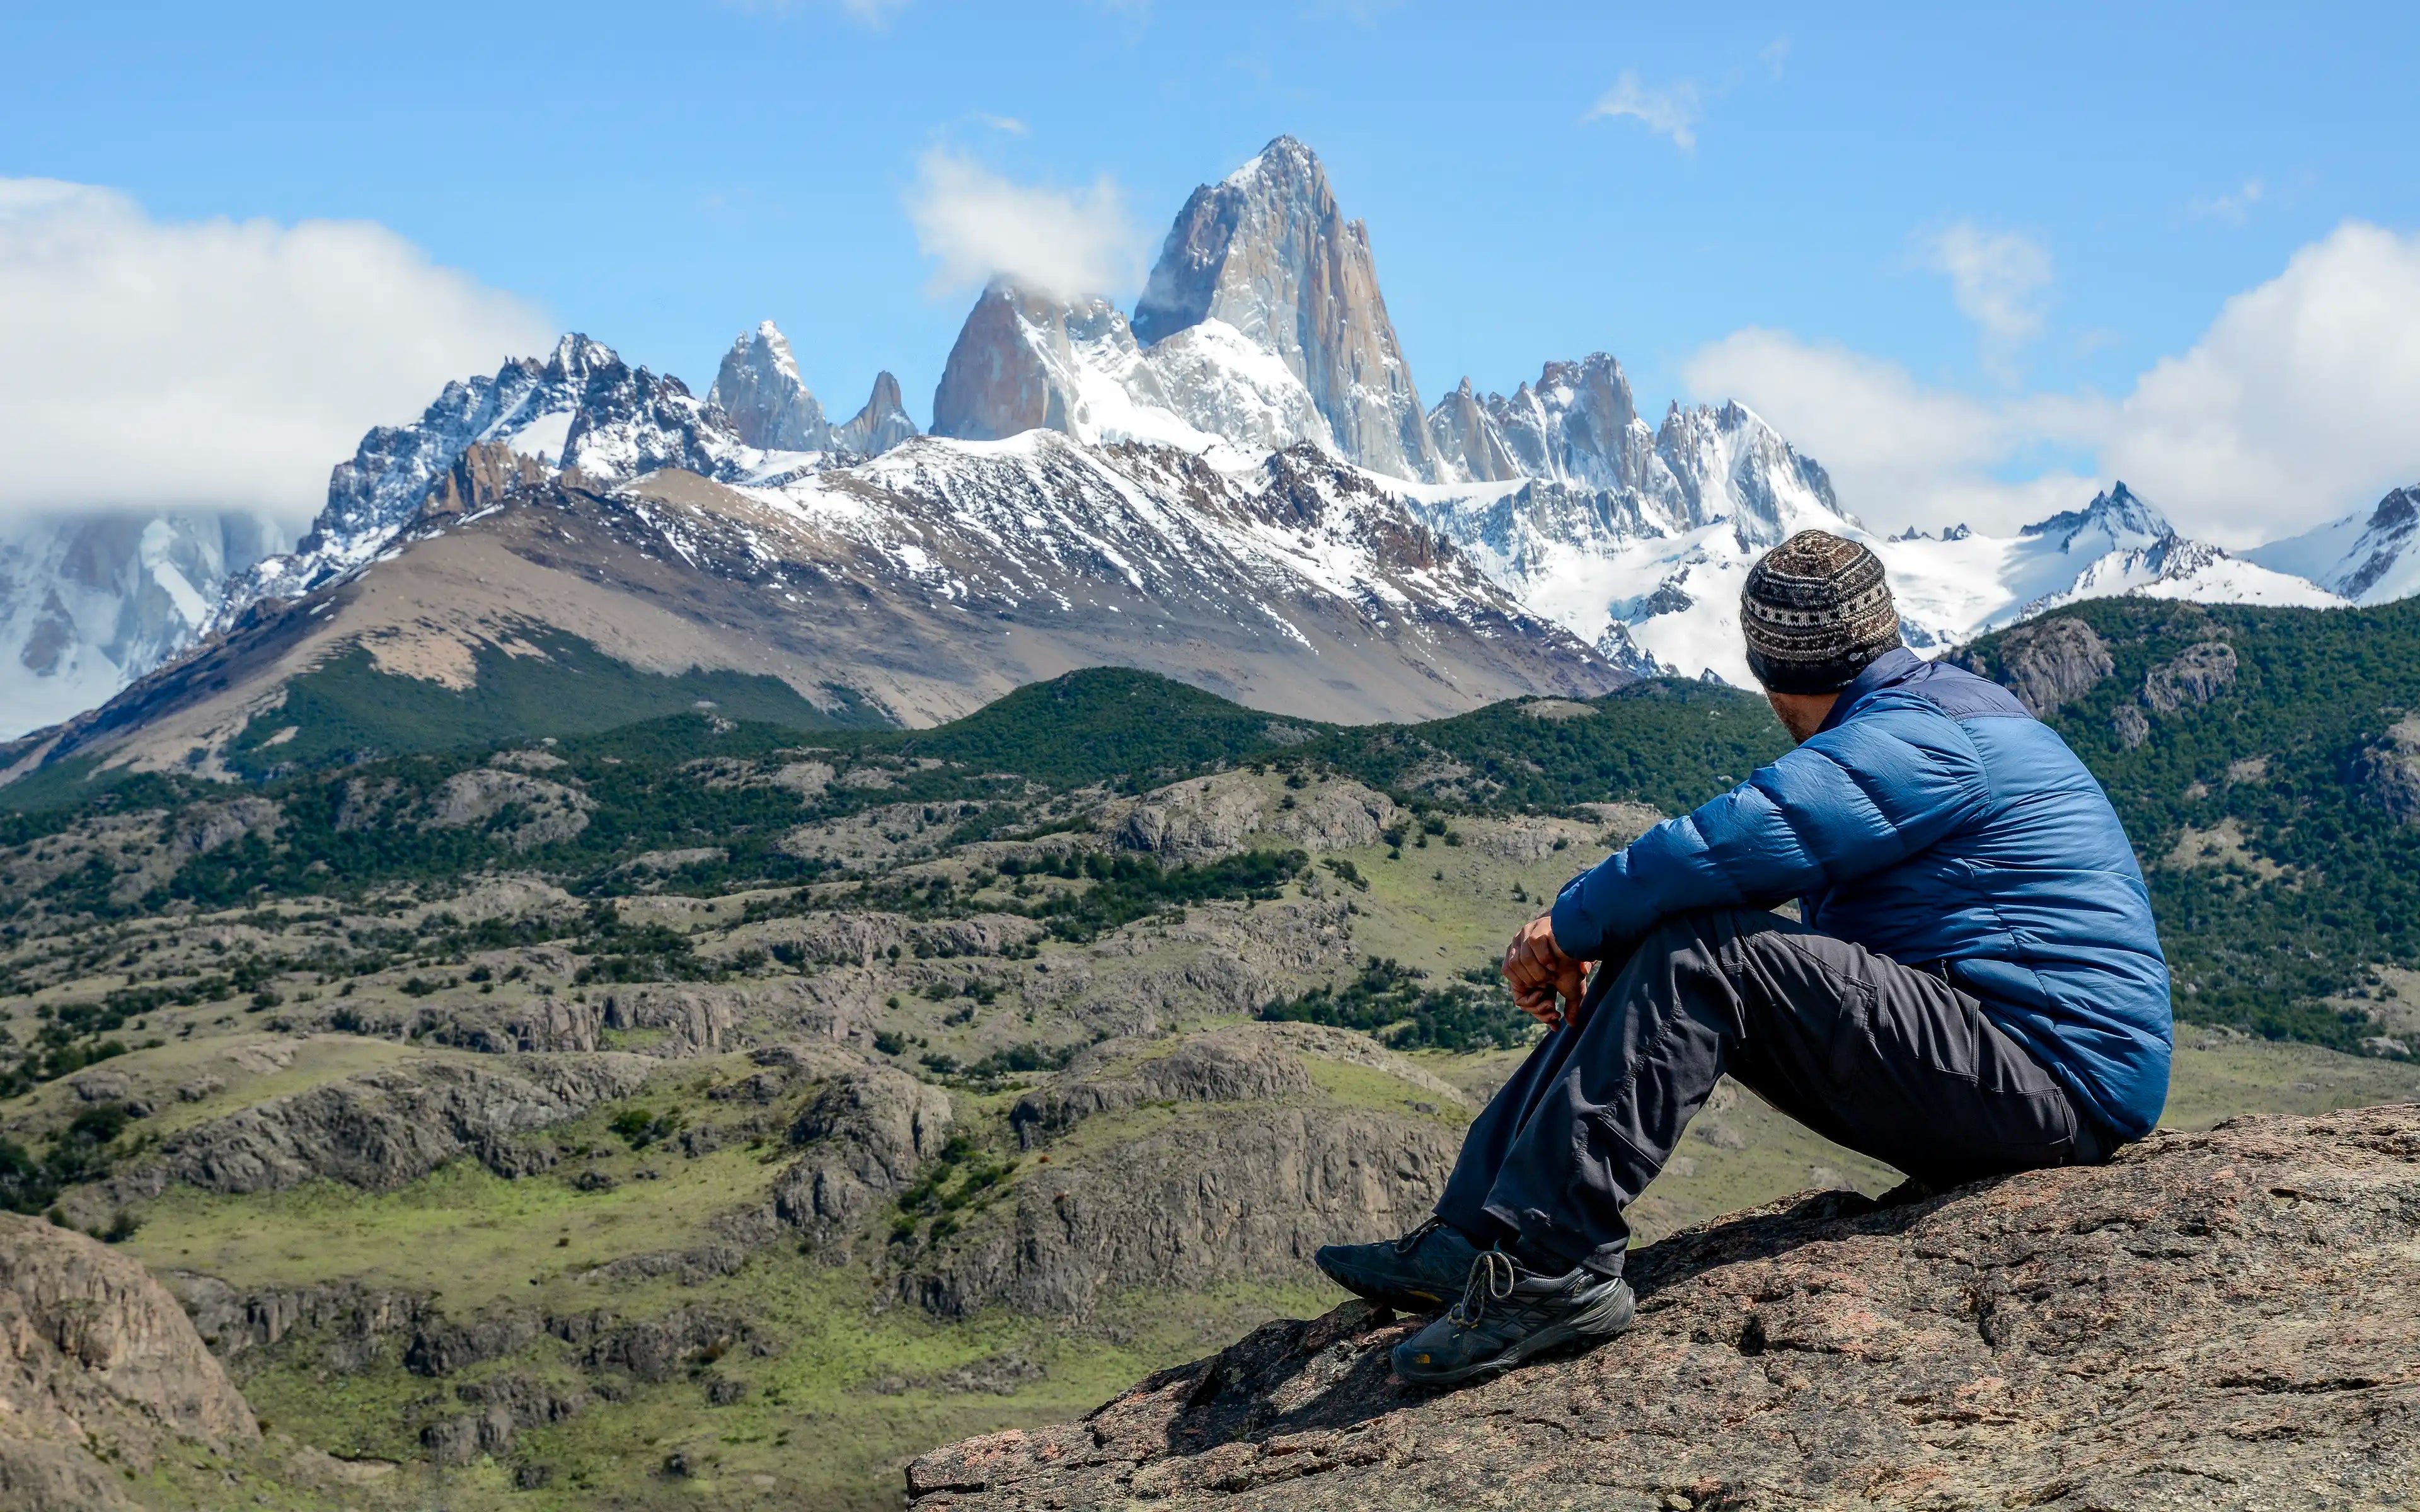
(2051, 663)
(2214, 1321)
(95, 1355)
(1020, 362)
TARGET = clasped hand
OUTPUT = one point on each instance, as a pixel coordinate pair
(1545, 983)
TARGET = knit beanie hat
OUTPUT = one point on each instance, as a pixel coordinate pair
(1816, 613)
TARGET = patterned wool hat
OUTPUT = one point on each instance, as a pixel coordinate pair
(1816, 613)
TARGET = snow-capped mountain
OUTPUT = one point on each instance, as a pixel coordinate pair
(2370, 559)
(1235, 485)
(1652, 562)
(88, 604)
(1025, 361)
(1962, 584)
(1659, 566)
(581, 410)
(529, 405)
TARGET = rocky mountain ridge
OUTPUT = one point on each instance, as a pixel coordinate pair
(2369, 559)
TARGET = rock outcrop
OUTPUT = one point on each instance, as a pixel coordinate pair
(1227, 1173)
(379, 1130)
(96, 1360)
(543, 814)
(864, 1134)
(1204, 818)
(1232, 1068)
(2389, 771)
(2193, 676)
(2214, 1320)
(2052, 663)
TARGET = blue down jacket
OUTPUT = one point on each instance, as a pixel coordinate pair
(1932, 819)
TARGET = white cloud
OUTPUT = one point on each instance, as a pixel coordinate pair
(1671, 111)
(145, 364)
(1998, 279)
(1774, 55)
(2294, 407)
(1900, 453)
(2235, 206)
(979, 225)
(2297, 405)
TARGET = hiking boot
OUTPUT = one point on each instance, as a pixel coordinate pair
(1419, 1272)
(1507, 1314)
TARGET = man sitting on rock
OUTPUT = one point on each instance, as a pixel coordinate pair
(1973, 986)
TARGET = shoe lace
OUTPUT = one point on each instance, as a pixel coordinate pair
(1491, 1278)
(1412, 1241)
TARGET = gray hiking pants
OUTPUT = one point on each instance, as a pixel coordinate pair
(1888, 1059)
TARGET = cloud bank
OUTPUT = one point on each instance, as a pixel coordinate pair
(152, 365)
(2294, 408)
(977, 226)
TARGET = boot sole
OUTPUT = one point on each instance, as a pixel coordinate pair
(1607, 1317)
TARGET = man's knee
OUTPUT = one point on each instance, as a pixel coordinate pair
(1704, 931)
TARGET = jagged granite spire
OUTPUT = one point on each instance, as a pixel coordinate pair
(1576, 426)
(1267, 252)
(768, 403)
(882, 424)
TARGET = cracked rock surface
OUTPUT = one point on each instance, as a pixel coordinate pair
(2216, 1320)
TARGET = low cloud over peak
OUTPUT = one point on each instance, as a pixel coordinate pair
(978, 225)
(149, 365)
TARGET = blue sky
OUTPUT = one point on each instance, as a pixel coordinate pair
(2002, 210)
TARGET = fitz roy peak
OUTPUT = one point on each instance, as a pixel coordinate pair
(1235, 484)
(1266, 252)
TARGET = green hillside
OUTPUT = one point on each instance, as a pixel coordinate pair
(723, 1105)
(2281, 878)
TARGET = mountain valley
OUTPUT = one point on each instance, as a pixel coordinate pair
(679, 947)
(744, 1107)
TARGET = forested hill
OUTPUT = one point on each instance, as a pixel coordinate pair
(2267, 763)
(2265, 760)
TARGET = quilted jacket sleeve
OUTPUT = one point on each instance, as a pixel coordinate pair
(1868, 793)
